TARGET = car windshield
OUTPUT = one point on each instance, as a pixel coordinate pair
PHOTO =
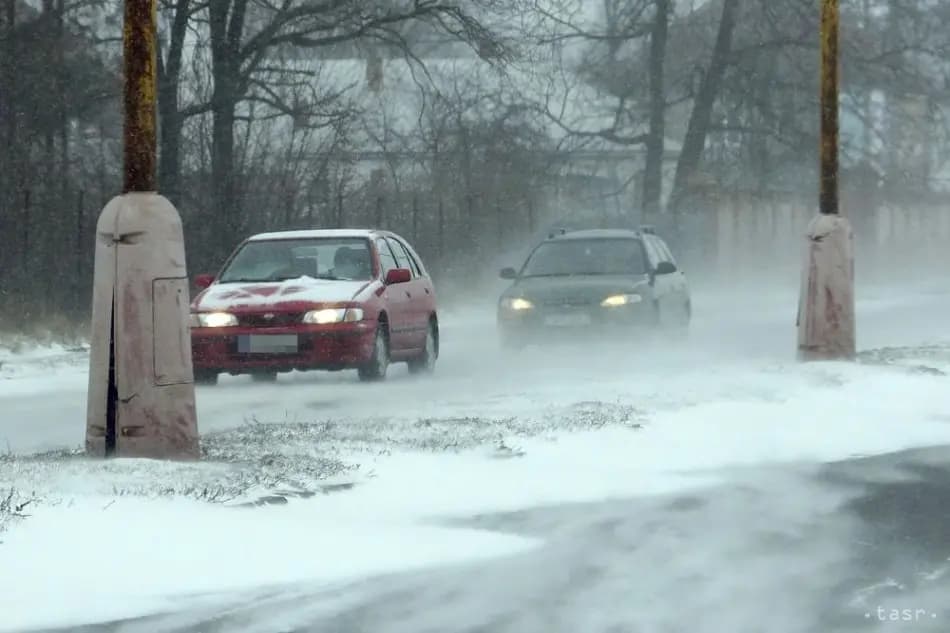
(282, 259)
(602, 256)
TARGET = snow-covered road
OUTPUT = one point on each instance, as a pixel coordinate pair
(652, 485)
(852, 547)
(742, 344)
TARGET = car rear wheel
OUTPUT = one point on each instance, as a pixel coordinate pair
(425, 362)
(375, 369)
(264, 376)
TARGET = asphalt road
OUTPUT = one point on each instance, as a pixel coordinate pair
(856, 546)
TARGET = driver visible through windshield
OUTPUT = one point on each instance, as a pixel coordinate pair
(346, 259)
(586, 257)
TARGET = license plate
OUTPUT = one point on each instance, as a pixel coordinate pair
(568, 320)
(267, 344)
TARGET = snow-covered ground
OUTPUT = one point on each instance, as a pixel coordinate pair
(363, 479)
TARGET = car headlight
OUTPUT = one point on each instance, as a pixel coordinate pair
(517, 304)
(614, 301)
(333, 315)
(213, 319)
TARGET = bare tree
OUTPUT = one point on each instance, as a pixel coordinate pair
(698, 127)
(243, 40)
(653, 167)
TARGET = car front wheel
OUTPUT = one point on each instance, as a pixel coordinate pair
(205, 377)
(264, 376)
(375, 368)
(675, 321)
(510, 342)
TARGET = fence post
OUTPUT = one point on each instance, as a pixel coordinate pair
(499, 224)
(441, 236)
(415, 217)
(531, 218)
(380, 212)
(339, 207)
(78, 288)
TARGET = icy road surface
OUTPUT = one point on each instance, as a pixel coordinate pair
(713, 486)
(742, 345)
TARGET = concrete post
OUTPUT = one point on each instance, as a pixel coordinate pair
(826, 319)
(141, 398)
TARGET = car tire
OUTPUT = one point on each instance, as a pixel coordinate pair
(264, 376)
(511, 344)
(686, 317)
(375, 369)
(205, 377)
(425, 362)
(657, 319)
(675, 322)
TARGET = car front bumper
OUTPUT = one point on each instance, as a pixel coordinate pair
(329, 347)
(550, 323)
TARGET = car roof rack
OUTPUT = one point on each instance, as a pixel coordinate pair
(648, 229)
(557, 232)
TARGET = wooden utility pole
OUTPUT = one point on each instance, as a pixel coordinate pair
(141, 63)
(826, 314)
(828, 196)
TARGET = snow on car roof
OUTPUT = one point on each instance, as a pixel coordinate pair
(596, 234)
(312, 234)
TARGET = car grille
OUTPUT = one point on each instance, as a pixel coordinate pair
(269, 319)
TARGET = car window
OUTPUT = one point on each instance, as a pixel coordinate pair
(653, 252)
(386, 258)
(404, 257)
(401, 260)
(601, 256)
(281, 259)
(665, 253)
(415, 259)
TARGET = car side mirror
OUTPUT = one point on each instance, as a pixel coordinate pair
(204, 280)
(398, 276)
(665, 268)
(509, 273)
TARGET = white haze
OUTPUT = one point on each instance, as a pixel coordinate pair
(675, 417)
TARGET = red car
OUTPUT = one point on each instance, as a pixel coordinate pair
(325, 299)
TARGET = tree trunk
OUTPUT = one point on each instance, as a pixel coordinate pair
(691, 154)
(653, 169)
(225, 215)
(9, 154)
(170, 117)
(226, 22)
(169, 163)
